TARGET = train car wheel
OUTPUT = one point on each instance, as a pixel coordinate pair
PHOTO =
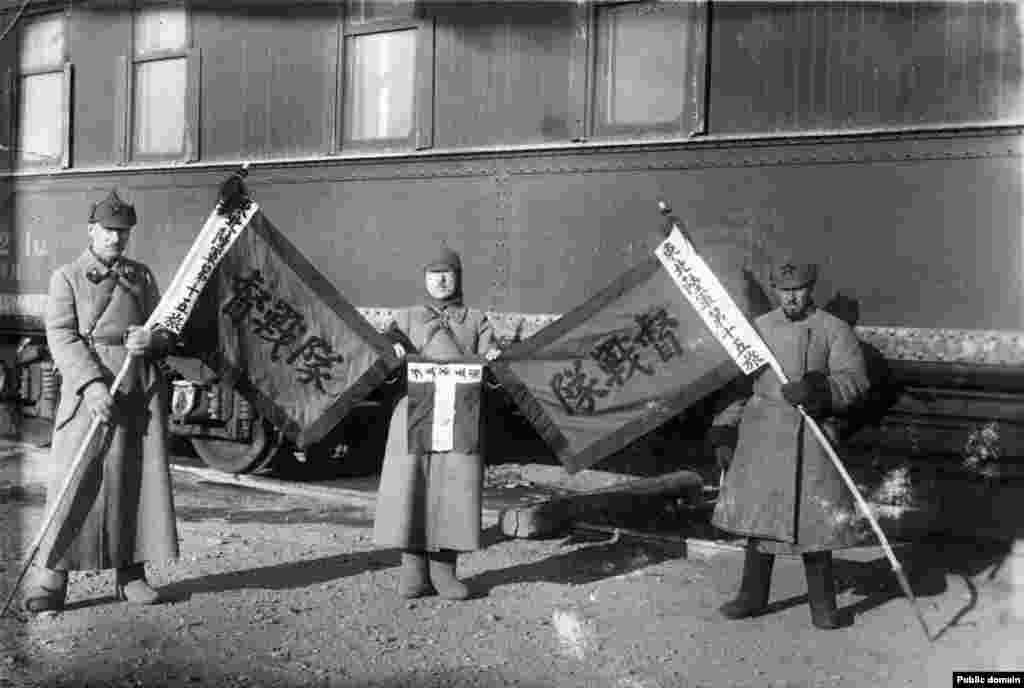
(240, 457)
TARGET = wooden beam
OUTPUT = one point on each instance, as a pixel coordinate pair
(555, 515)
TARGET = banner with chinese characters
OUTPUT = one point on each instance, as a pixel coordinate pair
(444, 405)
(618, 366)
(214, 240)
(288, 341)
(712, 302)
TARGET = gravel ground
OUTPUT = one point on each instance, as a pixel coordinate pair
(278, 590)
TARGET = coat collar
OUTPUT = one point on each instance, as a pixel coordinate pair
(127, 269)
(89, 261)
(456, 314)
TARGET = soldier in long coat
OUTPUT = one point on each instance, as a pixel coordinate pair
(781, 490)
(120, 514)
(429, 504)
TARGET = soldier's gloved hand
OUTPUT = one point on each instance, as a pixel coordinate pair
(812, 391)
(399, 350)
(492, 354)
(138, 340)
(98, 400)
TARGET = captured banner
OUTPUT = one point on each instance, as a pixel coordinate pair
(444, 405)
(618, 366)
(288, 341)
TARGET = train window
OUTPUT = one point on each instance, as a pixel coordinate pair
(43, 89)
(649, 68)
(384, 53)
(159, 84)
(380, 74)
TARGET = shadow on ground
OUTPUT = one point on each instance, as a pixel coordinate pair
(927, 565)
(285, 576)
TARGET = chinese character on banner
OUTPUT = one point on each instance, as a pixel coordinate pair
(281, 325)
(657, 329)
(315, 359)
(247, 292)
(575, 391)
(617, 358)
(294, 347)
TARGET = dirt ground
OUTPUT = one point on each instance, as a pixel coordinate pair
(278, 590)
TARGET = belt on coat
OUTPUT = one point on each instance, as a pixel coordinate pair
(109, 340)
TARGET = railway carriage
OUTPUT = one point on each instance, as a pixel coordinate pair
(536, 138)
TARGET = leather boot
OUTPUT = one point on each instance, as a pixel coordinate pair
(133, 587)
(754, 587)
(48, 592)
(821, 591)
(414, 579)
(442, 575)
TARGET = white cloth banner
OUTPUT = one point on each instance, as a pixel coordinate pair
(444, 376)
(712, 302)
(216, 237)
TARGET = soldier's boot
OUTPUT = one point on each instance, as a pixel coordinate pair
(754, 586)
(48, 591)
(133, 587)
(821, 591)
(414, 579)
(442, 575)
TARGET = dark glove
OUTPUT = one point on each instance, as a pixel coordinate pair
(812, 391)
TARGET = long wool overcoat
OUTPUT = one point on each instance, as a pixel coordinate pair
(432, 501)
(781, 487)
(122, 511)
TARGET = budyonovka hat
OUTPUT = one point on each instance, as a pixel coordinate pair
(447, 259)
(113, 213)
(793, 274)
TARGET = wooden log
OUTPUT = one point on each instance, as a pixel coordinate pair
(555, 515)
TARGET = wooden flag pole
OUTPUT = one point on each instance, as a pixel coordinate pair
(773, 362)
(77, 465)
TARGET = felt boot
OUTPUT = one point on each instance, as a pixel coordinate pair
(821, 591)
(133, 587)
(414, 579)
(442, 575)
(48, 591)
(754, 587)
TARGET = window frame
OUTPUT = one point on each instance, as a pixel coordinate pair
(17, 76)
(125, 136)
(586, 76)
(421, 135)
